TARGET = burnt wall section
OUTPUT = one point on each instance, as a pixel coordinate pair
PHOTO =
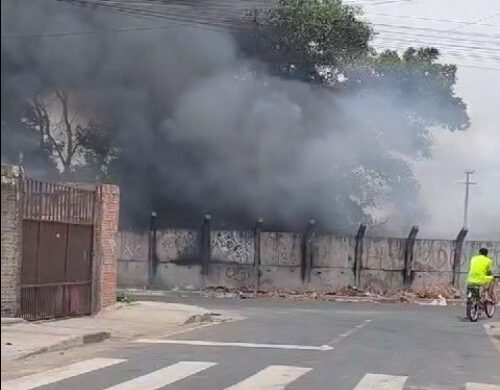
(288, 261)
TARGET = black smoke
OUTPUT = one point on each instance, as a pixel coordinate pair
(201, 128)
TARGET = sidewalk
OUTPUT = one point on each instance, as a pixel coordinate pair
(123, 321)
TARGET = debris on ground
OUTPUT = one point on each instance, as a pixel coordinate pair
(439, 295)
(435, 291)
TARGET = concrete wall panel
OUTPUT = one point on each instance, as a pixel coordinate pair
(280, 278)
(172, 276)
(433, 255)
(333, 251)
(132, 273)
(133, 246)
(381, 282)
(178, 245)
(281, 249)
(330, 279)
(383, 253)
(231, 276)
(232, 246)
(423, 280)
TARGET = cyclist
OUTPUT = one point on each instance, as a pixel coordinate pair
(481, 273)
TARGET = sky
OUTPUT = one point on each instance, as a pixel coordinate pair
(477, 56)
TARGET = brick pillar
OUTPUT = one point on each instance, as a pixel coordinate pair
(108, 205)
(12, 230)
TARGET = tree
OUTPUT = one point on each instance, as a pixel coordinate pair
(300, 38)
(72, 140)
(399, 97)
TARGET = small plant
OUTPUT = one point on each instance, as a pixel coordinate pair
(121, 296)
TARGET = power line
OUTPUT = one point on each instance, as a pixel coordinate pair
(476, 22)
(223, 13)
(219, 24)
(221, 9)
(429, 19)
(442, 46)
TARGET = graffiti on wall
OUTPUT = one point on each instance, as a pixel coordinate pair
(177, 246)
(132, 246)
(237, 274)
(233, 246)
(383, 253)
(430, 255)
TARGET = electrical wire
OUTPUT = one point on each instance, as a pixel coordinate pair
(222, 22)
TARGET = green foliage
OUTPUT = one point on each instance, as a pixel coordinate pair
(301, 36)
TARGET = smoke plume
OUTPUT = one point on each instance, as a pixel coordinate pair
(199, 128)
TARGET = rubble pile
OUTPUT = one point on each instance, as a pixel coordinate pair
(447, 291)
(431, 295)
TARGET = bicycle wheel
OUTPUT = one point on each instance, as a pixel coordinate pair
(472, 310)
(489, 308)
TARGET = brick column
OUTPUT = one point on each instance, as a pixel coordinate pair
(12, 230)
(105, 264)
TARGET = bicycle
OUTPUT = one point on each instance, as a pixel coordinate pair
(479, 301)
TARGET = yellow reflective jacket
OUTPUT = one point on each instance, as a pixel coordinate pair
(480, 271)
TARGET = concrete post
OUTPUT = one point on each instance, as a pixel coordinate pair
(307, 254)
(205, 245)
(457, 256)
(358, 254)
(256, 255)
(12, 231)
(408, 256)
(152, 258)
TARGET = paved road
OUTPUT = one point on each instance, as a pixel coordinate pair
(308, 345)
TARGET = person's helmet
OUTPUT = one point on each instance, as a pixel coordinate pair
(483, 251)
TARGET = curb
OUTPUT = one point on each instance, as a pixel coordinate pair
(198, 318)
(12, 320)
(68, 343)
(232, 295)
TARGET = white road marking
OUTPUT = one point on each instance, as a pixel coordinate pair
(381, 382)
(58, 374)
(271, 378)
(241, 345)
(480, 386)
(341, 336)
(163, 377)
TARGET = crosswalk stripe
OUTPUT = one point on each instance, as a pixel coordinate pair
(58, 374)
(163, 377)
(480, 386)
(271, 378)
(381, 382)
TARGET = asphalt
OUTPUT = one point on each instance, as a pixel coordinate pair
(433, 346)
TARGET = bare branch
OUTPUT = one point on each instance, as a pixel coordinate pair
(45, 126)
(63, 97)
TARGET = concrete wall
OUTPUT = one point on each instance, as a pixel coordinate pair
(11, 240)
(382, 264)
(281, 257)
(280, 261)
(333, 263)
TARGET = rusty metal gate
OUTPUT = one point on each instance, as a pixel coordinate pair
(58, 234)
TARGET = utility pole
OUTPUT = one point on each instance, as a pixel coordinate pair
(467, 183)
